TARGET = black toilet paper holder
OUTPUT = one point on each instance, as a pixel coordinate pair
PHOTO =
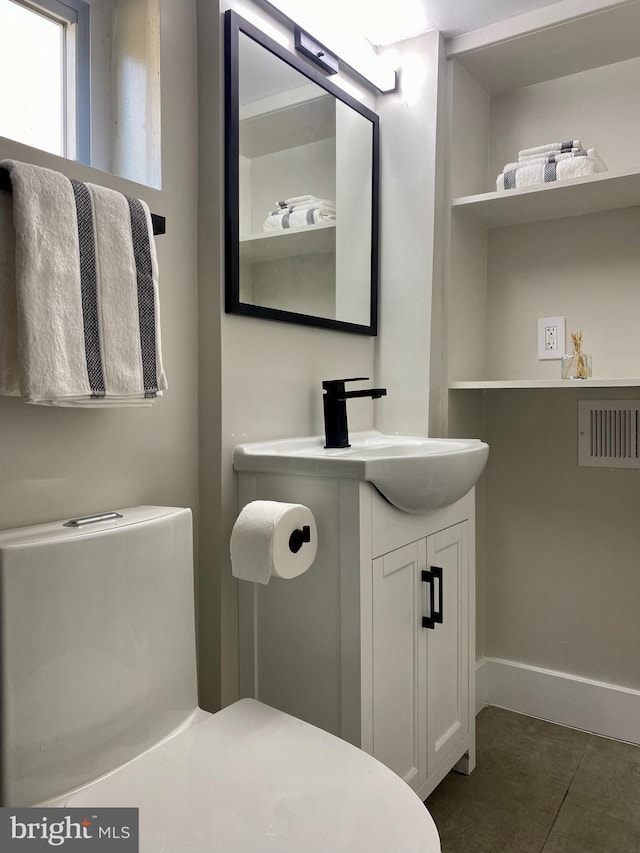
(298, 538)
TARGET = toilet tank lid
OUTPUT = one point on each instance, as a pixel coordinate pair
(55, 531)
(97, 646)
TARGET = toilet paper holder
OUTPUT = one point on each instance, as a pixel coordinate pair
(298, 538)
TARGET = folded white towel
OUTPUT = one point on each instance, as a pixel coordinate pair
(543, 173)
(303, 199)
(298, 218)
(549, 147)
(554, 152)
(303, 202)
(82, 296)
(555, 158)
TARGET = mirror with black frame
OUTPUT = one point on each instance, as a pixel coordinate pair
(301, 190)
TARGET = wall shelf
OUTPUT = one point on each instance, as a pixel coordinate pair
(527, 80)
(542, 383)
(538, 45)
(272, 245)
(575, 197)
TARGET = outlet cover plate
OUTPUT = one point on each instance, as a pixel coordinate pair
(552, 338)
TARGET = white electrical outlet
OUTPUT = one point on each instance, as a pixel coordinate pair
(551, 337)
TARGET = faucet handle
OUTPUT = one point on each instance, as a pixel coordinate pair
(336, 386)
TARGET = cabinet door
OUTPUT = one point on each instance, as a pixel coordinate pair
(399, 663)
(448, 646)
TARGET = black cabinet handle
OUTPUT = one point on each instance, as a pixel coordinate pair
(429, 576)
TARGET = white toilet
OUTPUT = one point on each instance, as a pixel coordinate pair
(99, 708)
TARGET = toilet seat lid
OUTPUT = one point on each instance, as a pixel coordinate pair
(251, 778)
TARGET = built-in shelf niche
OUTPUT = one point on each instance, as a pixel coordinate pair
(576, 197)
(562, 249)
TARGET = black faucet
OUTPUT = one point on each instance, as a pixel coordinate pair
(334, 400)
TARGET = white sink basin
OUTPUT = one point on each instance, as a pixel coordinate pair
(414, 474)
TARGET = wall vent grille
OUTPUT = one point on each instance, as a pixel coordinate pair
(609, 433)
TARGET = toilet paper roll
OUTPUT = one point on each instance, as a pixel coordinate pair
(273, 539)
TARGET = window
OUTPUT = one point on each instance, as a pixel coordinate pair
(44, 64)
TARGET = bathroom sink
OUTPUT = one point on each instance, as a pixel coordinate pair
(414, 474)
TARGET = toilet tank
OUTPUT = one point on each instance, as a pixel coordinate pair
(97, 647)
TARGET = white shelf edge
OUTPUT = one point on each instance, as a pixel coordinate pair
(526, 23)
(573, 197)
(557, 40)
(543, 383)
(285, 232)
(289, 243)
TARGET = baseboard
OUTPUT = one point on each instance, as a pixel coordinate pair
(594, 706)
(482, 685)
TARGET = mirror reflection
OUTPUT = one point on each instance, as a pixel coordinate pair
(305, 194)
(89, 73)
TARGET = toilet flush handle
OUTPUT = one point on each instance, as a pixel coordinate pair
(91, 519)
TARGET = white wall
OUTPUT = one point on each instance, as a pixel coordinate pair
(563, 579)
(135, 79)
(410, 243)
(558, 573)
(271, 372)
(583, 269)
(60, 463)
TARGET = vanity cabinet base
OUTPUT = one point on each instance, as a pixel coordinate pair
(375, 643)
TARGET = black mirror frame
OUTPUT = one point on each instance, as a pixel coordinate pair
(234, 25)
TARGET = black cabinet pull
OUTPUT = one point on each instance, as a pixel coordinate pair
(429, 576)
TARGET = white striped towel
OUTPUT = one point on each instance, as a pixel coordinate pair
(304, 201)
(81, 296)
(543, 173)
(550, 147)
(555, 152)
(555, 158)
(298, 217)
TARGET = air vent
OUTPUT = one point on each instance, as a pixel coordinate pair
(608, 433)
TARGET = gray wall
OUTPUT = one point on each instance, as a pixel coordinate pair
(271, 372)
(563, 550)
(59, 463)
(271, 388)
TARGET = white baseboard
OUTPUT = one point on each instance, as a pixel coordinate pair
(594, 706)
(482, 685)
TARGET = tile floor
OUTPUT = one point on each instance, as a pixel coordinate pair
(540, 787)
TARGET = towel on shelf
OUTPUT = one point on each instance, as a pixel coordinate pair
(297, 218)
(298, 212)
(554, 158)
(304, 201)
(82, 295)
(555, 152)
(550, 148)
(542, 173)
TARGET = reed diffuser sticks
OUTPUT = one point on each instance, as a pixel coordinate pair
(576, 365)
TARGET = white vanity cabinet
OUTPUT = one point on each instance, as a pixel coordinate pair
(420, 665)
(344, 646)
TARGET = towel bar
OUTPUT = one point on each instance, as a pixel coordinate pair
(158, 222)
